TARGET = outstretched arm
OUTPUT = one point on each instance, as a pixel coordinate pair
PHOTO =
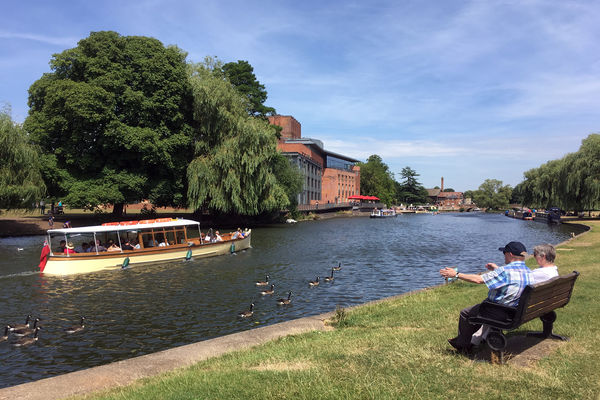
(451, 273)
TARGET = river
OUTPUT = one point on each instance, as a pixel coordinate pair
(150, 308)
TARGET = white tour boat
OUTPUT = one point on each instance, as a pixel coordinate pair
(384, 213)
(159, 240)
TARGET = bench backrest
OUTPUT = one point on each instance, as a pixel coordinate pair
(543, 297)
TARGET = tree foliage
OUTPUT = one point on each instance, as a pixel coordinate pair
(377, 180)
(492, 194)
(113, 120)
(572, 182)
(232, 169)
(290, 177)
(21, 182)
(241, 75)
(410, 190)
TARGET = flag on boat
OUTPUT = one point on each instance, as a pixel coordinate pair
(44, 256)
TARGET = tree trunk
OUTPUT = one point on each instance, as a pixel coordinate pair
(118, 210)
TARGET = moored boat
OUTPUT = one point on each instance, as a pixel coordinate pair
(157, 240)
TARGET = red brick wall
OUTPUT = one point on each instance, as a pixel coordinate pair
(301, 148)
(337, 185)
(291, 127)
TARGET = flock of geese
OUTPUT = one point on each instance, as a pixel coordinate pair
(24, 331)
(285, 300)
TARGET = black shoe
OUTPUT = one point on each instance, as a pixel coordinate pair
(461, 349)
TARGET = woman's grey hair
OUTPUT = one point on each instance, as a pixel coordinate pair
(545, 250)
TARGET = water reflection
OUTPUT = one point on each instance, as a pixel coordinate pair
(145, 309)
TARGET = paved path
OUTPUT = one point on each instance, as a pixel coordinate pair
(127, 371)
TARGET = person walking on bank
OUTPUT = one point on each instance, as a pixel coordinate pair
(505, 286)
(42, 207)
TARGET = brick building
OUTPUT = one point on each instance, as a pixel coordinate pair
(329, 177)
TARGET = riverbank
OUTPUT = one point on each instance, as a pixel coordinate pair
(34, 224)
(397, 349)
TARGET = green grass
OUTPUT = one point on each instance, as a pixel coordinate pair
(397, 349)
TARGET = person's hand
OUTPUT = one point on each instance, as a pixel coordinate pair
(491, 266)
(448, 272)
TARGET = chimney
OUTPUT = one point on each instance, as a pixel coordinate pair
(442, 189)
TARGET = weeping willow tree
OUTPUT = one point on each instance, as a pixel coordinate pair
(232, 168)
(21, 182)
(572, 182)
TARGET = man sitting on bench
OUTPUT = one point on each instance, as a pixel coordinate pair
(505, 286)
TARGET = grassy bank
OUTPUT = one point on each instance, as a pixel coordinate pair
(397, 349)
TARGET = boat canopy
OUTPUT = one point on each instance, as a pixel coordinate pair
(130, 225)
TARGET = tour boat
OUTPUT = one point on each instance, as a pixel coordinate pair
(160, 240)
(385, 213)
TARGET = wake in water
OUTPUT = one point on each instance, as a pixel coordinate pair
(25, 273)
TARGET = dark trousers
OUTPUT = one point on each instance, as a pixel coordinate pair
(465, 329)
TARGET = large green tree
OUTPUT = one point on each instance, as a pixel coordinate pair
(492, 194)
(21, 182)
(114, 121)
(572, 182)
(410, 190)
(241, 75)
(377, 180)
(232, 169)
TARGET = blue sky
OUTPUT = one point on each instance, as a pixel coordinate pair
(467, 90)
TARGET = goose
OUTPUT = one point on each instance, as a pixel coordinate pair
(247, 313)
(270, 291)
(329, 278)
(314, 283)
(263, 283)
(76, 328)
(6, 330)
(282, 302)
(26, 331)
(28, 340)
(21, 326)
(338, 268)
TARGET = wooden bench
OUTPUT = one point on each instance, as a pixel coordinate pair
(537, 300)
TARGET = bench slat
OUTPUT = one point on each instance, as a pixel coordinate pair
(537, 295)
(534, 300)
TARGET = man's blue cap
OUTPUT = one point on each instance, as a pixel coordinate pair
(515, 248)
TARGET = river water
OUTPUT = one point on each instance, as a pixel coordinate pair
(150, 308)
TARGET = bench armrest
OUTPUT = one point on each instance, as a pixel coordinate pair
(494, 314)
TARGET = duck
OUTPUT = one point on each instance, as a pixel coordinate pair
(338, 268)
(314, 283)
(263, 283)
(329, 278)
(283, 302)
(6, 330)
(76, 328)
(270, 291)
(26, 331)
(247, 313)
(21, 326)
(26, 341)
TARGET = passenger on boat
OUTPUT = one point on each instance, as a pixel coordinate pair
(218, 236)
(99, 246)
(70, 249)
(83, 248)
(127, 245)
(61, 247)
(135, 245)
(113, 247)
(238, 234)
(163, 243)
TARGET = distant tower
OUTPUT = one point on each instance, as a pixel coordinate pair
(442, 189)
